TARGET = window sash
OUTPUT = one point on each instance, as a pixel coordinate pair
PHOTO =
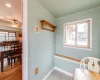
(6, 35)
(76, 45)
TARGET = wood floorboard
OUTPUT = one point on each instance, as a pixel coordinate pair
(12, 74)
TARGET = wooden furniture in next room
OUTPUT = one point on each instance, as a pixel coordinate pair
(7, 48)
(80, 74)
(16, 48)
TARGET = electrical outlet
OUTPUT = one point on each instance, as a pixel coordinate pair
(36, 71)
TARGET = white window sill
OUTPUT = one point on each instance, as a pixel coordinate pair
(89, 49)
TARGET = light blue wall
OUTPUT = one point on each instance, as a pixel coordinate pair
(66, 65)
(80, 53)
(40, 45)
(77, 53)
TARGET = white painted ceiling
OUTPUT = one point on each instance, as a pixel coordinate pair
(11, 13)
(59, 8)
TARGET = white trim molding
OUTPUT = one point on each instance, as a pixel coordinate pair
(78, 21)
(74, 22)
(67, 73)
(48, 74)
(24, 42)
(58, 69)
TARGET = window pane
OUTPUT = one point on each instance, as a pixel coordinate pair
(11, 38)
(2, 39)
(7, 38)
(11, 34)
(3, 36)
(82, 34)
(70, 35)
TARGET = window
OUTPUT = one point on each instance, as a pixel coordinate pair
(77, 34)
(7, 36)
(12, 36)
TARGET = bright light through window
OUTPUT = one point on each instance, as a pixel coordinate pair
(77, 34)
(7, 36)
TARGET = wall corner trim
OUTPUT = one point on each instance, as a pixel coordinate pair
(48, 74)
(67, 73)
(24, 41)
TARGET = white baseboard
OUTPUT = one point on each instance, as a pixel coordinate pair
(67, 73)
(48, 74)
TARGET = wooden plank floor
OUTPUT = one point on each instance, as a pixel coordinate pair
(12, 74)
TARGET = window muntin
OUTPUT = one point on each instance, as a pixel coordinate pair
(12, 36)
(7, 36)
(77, 34)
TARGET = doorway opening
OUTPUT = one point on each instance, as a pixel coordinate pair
(11, 40)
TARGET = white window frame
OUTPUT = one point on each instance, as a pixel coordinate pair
(7, 35)
(90, 34)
